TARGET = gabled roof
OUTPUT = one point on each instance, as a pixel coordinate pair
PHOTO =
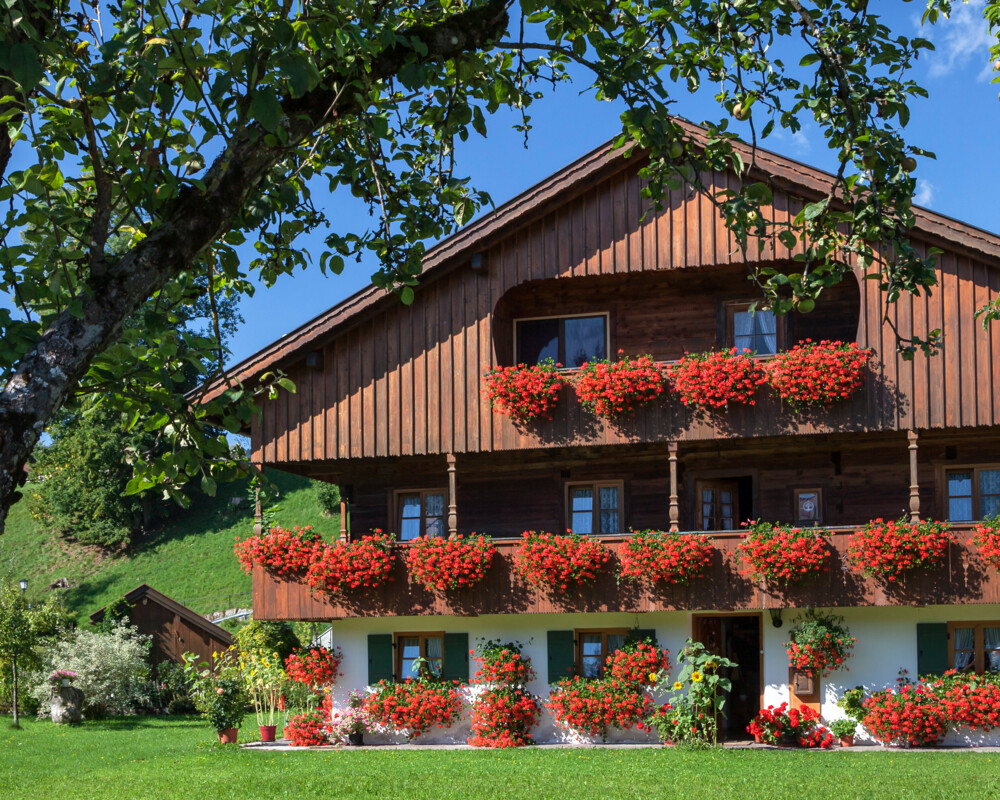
(559, 188)
(146, 592)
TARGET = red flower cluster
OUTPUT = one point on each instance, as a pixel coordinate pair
(414, 705)
(441, 564)
(638, 663)
(503, 664)
(790, 726)
(615, 389)
(781, 554)
(820, 643)
(887, 550)
(987, 540)
(316, 667)
(503, 717)
(817, 374)
(906, 715)
(971, 703)
(308, 729)
(718, 378)
(349, 565)
(280, 552)
(524, 393)
(592, 706)
(816, 659)
(559, 562)
(668, 557)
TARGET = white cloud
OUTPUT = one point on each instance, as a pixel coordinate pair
(924, 195)
(960, 42)
(794, 144)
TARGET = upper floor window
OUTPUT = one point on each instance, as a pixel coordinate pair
(595, 507)
(718, 505)
(973, 493)
(593, 649)
(757, 331)
(570, 341)
(421, 513)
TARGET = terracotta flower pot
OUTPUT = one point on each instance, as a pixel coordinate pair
(267, 732)
(355, 739)
(847, 741)
(228, 735)
(758, 738)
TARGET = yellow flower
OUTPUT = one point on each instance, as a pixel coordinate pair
(652, 677)
(678, 686)
(696, 677)
(711, 665)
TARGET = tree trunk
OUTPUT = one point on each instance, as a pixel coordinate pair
(17, 723)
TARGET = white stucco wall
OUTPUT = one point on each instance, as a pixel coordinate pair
(887, 642)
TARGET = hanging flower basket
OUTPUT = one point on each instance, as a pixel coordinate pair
(820, 643)
(987, 541)
(888, 550)
(524, 393)
(673, 558)
(782, 555)
(317, 667)
(352, 565)
(615, 389)
(718, 378)
(448, 564)
(817, 374)
(559, 563)
(281, 552)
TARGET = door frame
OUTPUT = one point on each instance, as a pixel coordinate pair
(697, 616)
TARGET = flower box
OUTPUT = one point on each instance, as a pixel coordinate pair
(615, 389)
(524, 393)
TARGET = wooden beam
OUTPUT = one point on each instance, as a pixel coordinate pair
(914, 482)
(674, 511)
(343, 520)
(452, 507)
(258, 514)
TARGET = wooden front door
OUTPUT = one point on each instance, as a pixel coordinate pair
(738, 638)
(718, 505)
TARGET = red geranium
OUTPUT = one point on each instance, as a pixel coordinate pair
(559, 562)
(314, 666)
(617, 388)
(819, 643)
(969, 701)
(349, 565)
(790, 726)
(441, 564)
(279, 551)
(887, 550)
(668, 557)
(504, 717)
(906, 715)
(592, 706)
(987, 540)
(718, 378)
(817, 374)
(524, 393)
(414, 705)
(502, 664)
(781, 554)
(638, 663)
(308, 729)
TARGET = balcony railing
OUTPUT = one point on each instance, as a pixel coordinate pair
(962, 578)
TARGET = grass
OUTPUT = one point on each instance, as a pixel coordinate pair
(159, 757)
(189, 559)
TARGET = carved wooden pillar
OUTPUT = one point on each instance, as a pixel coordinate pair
(343, 520)
(258, 514)
(452, 507)
(914, 482)
(674, 509)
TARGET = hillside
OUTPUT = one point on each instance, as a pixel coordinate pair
(189, 559)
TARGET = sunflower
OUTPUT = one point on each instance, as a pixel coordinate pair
(678, 686)
(696, 677)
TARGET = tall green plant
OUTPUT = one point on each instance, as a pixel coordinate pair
(17, 635)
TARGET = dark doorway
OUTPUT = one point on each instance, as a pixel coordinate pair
(737, 638)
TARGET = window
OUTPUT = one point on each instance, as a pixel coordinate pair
(973, 493)
(594, 507)
(718, 505)
(808, 506)
(593, 648)
(974, 646)
(420, 512)
(571, 341)
(411, 647)
(757, 331)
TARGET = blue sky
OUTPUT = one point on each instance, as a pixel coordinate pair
(959, 122)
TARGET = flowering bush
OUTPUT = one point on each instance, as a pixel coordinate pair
(817, 373)
(820, 643)
(559, 562)
(592, 706)
(441, 564)
(667, 557)
(524, 393)
(910, 714)
(503, 716)
(414, 705)
(502, 664)
(790, 726)
(638, 663)
(718, 378)
(615, 389)
(279, 551)
(308, 729)
(887, 550)
(699, 694)
(781, 554)
(350, 565)
(317, 667)
(987, 541)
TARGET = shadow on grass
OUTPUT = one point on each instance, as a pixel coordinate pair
(137, 722)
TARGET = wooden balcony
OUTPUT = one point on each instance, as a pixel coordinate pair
(963, 579)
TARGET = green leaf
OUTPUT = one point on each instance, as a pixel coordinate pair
(208, 486)
(287, 384)
(25, 66)
(266, 109)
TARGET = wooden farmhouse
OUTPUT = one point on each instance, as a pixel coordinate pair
(390, 406)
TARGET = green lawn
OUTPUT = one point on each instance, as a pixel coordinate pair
(169, 758)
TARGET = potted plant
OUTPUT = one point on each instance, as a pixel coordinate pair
(344, 566)
(352, 723)
(524, 393)
(987, 541)
(62, 677)
(669, 558)
(560, 563)
(317, 667)
(449, 564)
(615, 389)
(820, 643)
(887, 550)
(219, 693)
(844, 729)
(783, 555)
(714, 380)
(265, 684)
(817, 374)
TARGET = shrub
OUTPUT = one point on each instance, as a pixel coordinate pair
(328, 497)
(672, 558)
(615, 389)
(817, 373)
(524, 393)
(281, 552)
(414, 705)
(905, 715)
(559, 563)
(219, 690)
(716, 379)
(819, 643)
(263, 637)
(308, 729)
(888, 550)
(781, 554)
(351, 565)
(442, 564)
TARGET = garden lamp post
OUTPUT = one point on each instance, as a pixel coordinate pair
(24, 586)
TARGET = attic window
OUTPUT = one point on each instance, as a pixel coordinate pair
(570, 341)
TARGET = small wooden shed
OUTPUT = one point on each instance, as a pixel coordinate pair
(175, 629)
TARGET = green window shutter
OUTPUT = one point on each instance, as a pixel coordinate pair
(640, 635)
(380, 658)
(562, 655)
(932, 648)
(456, 657)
